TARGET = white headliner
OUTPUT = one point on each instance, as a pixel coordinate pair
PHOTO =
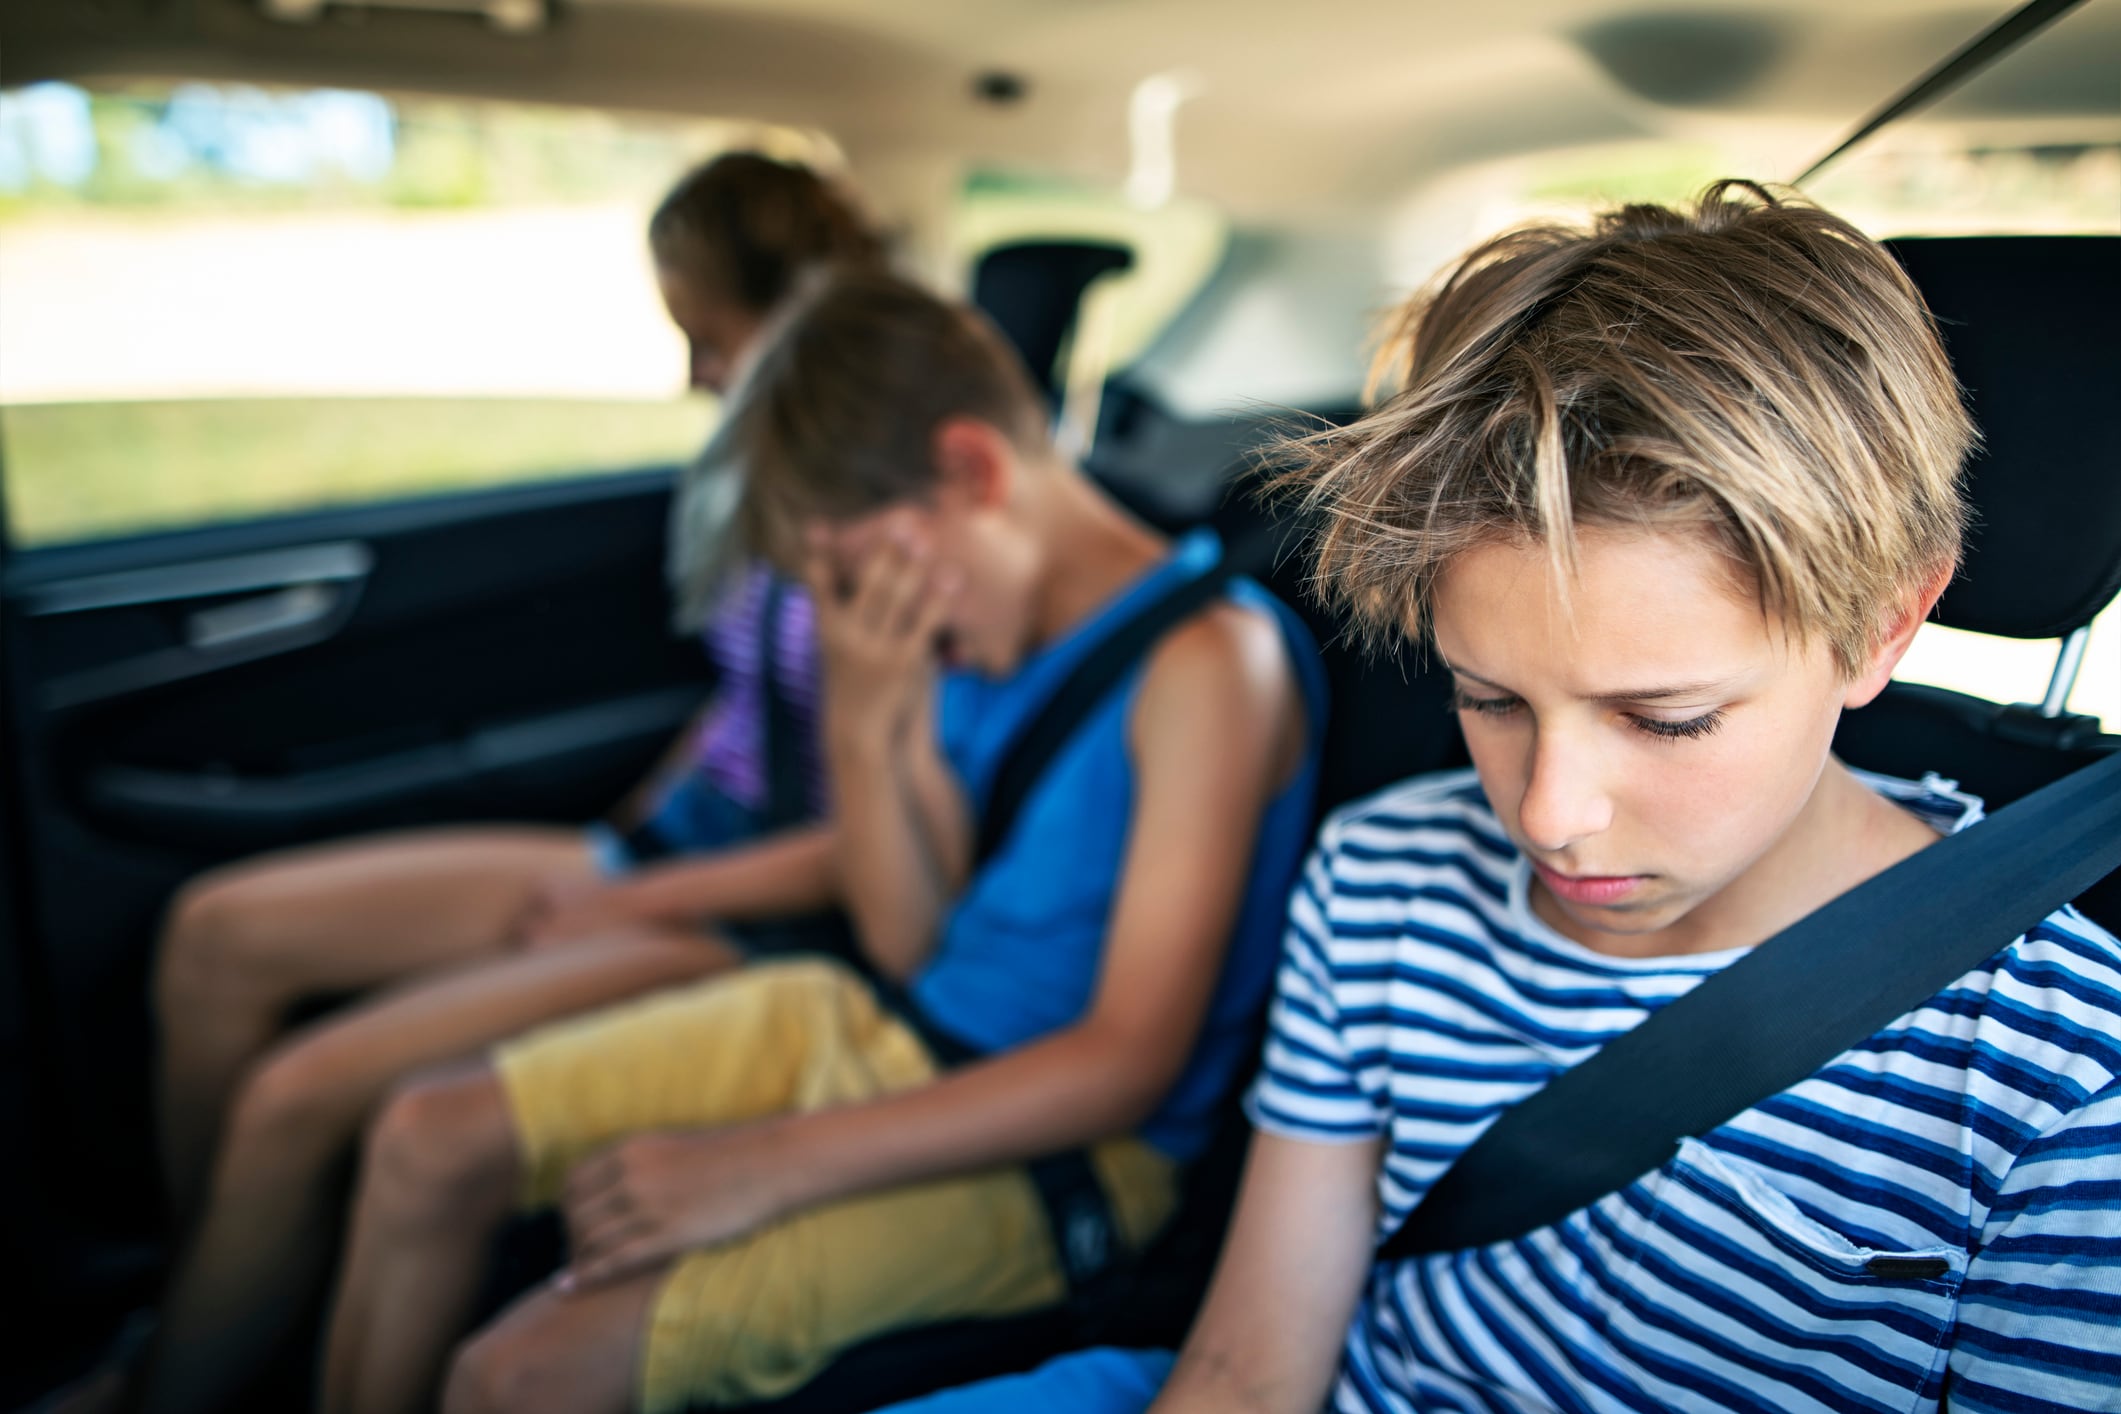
(1358, 141)
(1315, 112)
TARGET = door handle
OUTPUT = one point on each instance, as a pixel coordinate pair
(332, 562)
(298, 606)
(290, 598)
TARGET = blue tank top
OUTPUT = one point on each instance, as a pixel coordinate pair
(1020, 949)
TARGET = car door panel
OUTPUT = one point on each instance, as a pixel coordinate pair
(134, 630)
(513, 768)
(182, 700)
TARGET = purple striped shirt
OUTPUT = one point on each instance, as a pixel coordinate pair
(729, 750)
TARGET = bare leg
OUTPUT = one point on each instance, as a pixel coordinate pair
(245, 943)
(573, 1353)
(269, 1227)
(442, 1170)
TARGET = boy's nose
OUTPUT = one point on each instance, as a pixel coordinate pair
(1565, 800)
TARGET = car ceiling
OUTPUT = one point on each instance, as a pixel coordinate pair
(1301, 113)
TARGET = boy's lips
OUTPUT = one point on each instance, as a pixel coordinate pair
(1593, 889)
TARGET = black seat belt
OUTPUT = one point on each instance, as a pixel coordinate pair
(1777, 1015)
(1078, 1213)
(1057, 721)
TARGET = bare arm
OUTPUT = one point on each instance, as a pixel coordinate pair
(1218, 726)
(788, 873)
(1268, 1341)
(900, 845)
(896, 807)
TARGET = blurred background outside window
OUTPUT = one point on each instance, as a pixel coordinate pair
(223, 302)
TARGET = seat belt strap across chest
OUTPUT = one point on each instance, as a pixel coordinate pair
(1058, 719)
(1086, 1237)
(1774, 1017)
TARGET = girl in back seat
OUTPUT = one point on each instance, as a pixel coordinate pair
(461, 936)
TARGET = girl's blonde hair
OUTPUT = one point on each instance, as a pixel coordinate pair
(747, 226)
(1756, 370)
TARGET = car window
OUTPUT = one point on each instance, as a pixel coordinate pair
(225, 301)
(1177, 245)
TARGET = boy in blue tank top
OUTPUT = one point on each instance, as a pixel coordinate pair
(759, 1172)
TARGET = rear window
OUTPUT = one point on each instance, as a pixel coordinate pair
(1176, 244)
(2029, 146)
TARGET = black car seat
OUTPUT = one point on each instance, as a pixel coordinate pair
(2029, 323)
(1033, 291)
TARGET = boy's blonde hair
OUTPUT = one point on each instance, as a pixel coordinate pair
(1757, 370)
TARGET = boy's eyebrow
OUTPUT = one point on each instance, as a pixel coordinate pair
(1710, 686)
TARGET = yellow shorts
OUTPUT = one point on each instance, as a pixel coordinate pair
(759, 1317)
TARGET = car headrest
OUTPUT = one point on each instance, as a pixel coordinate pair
(2030, 324)
(1033, 291)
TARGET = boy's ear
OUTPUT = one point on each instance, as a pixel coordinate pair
(974, 462)
(1893, 646)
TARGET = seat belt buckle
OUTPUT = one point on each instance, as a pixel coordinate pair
(1086, 1241)
(1078, 1213)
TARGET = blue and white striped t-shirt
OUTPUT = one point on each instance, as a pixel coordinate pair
(1420, 996)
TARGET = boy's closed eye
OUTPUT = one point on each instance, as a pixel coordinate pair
(1662, 728)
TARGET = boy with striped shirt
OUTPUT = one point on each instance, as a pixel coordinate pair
(1666, 496)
